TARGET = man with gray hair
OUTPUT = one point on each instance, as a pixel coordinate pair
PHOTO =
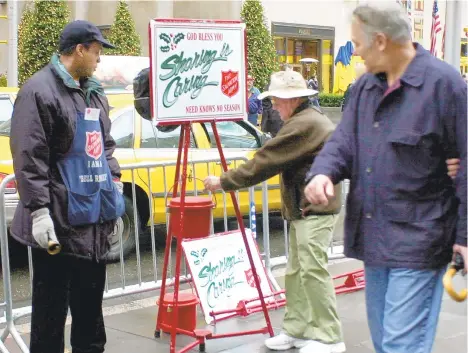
(405, 215)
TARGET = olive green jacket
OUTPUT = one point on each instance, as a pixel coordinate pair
(290, 153)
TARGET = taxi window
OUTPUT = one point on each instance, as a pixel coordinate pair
(232, 135)
(148, 138)
(6, 110)
(168, 139)
(154, 138)
(122, 130)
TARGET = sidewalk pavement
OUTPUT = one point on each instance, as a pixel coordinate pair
(130, 327)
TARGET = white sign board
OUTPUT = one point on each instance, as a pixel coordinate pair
(198, 71)
(222, 273)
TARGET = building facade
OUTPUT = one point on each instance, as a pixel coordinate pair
(301, 29)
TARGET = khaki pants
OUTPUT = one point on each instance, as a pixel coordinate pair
(310, 294)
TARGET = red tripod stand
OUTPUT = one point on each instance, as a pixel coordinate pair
(200, 335)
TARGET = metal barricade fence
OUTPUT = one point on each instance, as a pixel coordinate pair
(336, 246)
(141, 174)
(7, 305)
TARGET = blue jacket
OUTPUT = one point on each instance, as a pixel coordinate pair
(255, 105)
(403, 210)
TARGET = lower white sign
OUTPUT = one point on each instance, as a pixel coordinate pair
(221, 271)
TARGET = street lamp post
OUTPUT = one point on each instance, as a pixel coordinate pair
(453, 28)
(12, 43)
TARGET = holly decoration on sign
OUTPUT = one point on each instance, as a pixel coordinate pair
(199, 255)
(171, 41)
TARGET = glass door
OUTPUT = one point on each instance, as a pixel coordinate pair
(311, 51)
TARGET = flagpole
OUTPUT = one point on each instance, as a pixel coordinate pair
(13, 44)
(409, 12)
(453, 28)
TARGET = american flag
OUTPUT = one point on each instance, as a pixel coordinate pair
(443, 41)
(406, 5)
(408, 9)
(436, 28)
(410, 16)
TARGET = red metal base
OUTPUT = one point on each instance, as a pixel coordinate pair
(200, 335)
(250, 306)
(354, 281)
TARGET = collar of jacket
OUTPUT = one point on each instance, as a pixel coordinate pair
(88, 85)
(303, 106)
(414, 74)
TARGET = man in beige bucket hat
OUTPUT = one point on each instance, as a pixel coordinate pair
(311, 321)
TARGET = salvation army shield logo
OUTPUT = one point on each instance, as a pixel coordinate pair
(230, 83)
(93, 145)
(250, 278)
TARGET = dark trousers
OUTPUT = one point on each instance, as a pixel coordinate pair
(60, 282)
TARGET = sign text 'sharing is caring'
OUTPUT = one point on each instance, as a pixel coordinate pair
(222, 273)
(198, 71)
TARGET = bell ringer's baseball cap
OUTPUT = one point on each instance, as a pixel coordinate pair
(80, 32)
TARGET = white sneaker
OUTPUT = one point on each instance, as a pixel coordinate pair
(319, 347)
(299, 343)
(283, 342)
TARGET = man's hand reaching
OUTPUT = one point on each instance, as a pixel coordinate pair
(212, 183)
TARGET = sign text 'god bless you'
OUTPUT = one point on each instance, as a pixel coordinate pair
(198, 71)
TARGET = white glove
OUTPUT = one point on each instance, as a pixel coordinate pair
(119, 186)
(43, 227)
(212, 183)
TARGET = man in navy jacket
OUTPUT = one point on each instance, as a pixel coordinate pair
(405, 215)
